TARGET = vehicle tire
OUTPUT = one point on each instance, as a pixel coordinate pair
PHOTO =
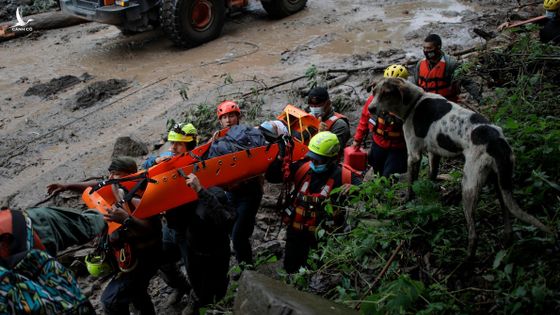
(189, 23)
(281, 8)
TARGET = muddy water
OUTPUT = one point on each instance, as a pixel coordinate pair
(77, 144)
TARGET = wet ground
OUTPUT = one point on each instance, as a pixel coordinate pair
(49, 136)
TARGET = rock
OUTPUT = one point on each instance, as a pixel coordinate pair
(98, 92)
(321, 283)
(52, 87)
(126, 146)
(259, 295)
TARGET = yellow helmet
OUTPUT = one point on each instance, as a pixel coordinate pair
(323, 145)
(397, 71)
(182, 133)
(97, 265)
(551, 5)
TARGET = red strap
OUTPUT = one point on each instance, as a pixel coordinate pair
(287, 161)
(300, 173)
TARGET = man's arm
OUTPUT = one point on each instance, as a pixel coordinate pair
(363, 126)
(56, 188)
(342, 130)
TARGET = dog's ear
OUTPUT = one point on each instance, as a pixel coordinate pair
(407, 92)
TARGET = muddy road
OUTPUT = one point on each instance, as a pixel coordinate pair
(48, 136)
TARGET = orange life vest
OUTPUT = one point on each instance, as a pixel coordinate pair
(436, 79)
(307, 206)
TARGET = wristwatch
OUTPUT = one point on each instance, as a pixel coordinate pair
(127, 221)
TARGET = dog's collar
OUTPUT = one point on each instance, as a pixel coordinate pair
(411, 108)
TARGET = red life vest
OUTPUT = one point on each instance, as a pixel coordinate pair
(387, 131)
(17, 224)
(335, 116)
(307, 206)
(436, 79)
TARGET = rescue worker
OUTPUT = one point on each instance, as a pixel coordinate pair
(208, 221)
(121, 167)
(137, 244)
(320, 106)
(387, 154)
(245, 196)
(551, 30)
(183, 138)
(435, 72)
(314, 178)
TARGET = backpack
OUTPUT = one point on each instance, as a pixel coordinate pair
(39, 284)
(32, 281)
(238, 138)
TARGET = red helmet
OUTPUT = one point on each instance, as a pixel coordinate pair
(228, 107)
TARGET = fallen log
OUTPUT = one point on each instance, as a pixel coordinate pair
(41, 21)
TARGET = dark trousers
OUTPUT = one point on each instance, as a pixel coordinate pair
(246, 206)
(131, 287)
(208, 276)
(298, 244)
(387, 161)
(172, 253)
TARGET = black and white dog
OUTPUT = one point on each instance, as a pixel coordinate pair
(442, 128)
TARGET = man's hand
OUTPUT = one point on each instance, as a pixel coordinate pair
(116, 214)
(356, 144)
(193, 182)
(503, 26)
(162, 159)
(55, 189)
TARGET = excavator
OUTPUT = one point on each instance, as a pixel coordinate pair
(162, 187)
(187, 23)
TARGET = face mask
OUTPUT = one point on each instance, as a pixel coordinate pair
(318, 168)
(316, 111)
(430, 54)
(550, 15)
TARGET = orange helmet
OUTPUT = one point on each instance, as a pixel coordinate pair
(228, 107)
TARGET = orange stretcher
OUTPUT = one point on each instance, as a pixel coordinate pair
(166, 189)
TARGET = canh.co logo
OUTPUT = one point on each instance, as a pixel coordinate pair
(21, 25)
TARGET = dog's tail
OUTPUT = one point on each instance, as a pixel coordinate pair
(500, 150)
(519, 213)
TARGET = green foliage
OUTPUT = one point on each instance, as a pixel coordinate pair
(394, 297)
(184, 92)
(251, 108)
(203, 117)
(311, 74)
(528, 112)
(430, 274)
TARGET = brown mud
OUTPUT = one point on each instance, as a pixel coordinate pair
(50, 137)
